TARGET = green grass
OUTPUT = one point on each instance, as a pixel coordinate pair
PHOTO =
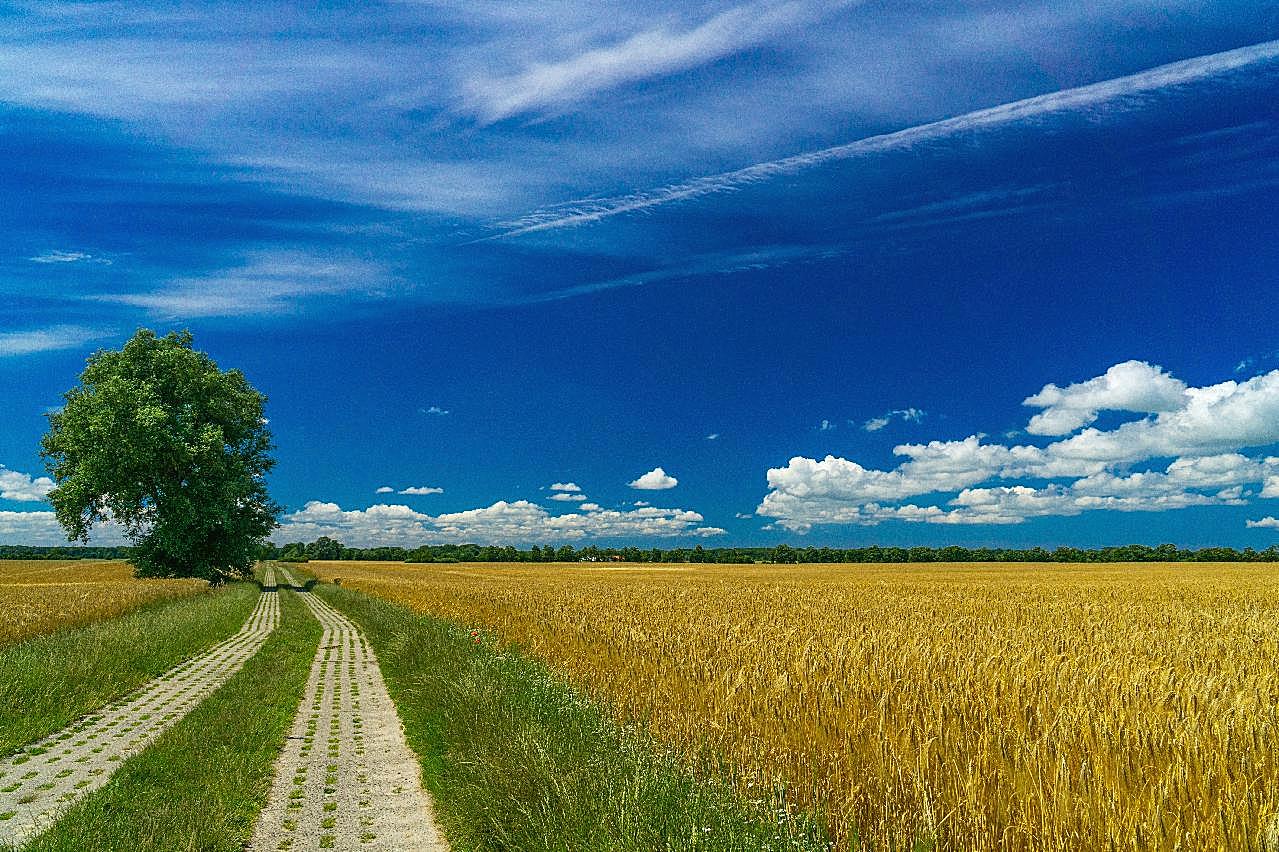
(516, 760)
(49, 681)
(201, 785)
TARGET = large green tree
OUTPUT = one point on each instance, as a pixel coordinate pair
(175, 450)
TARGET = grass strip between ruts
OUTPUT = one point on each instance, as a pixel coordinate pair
(517, 760)
(49, 681)
(201, 785)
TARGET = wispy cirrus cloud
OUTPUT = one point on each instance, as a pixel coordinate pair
(49, 339)
(654, 52)
(1118, 94)
(61, 256)
(266, 282)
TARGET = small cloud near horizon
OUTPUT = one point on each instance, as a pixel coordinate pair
(655, 480)
(906, 415)
(420, 490)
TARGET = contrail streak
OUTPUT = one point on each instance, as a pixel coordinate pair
(1120, 88)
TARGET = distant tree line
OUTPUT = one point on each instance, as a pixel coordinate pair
(330, 549)
(22, 551)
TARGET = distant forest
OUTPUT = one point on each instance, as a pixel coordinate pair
(331, 549)
(66, 551)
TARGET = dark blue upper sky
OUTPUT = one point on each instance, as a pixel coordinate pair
(824, 272)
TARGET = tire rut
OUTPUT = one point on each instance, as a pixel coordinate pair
(346, 779)
(43, 779)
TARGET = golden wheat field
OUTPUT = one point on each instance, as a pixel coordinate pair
(984, 707)
(39, 596)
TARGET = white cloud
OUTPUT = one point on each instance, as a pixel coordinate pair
(566, 486)
(652, 53)
(385, 489)
(825, 426)
(1130, 386)
(907, 415)
(34, 528)
(568, 497)
(48, 339)
(420, 490)
(265, 282)
(434, 410)
(57, 256)
(504, 522)
(1118, 94)
(641, 503)
(22, 487)
(1267, 523)
(590, 507)
(42, 529)
(1202, 430)
(655, 480)
(714, 436)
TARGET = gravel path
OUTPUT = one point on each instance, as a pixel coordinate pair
(346, 779)
(45, 778)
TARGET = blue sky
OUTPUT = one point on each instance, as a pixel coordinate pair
(821, 272)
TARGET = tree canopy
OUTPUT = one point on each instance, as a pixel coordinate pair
(159, 440)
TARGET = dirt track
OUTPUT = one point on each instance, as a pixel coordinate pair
(346, 779)
(46, 777)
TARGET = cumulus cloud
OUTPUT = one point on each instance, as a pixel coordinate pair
(714, 436)
(1130, 386)
(1267, 523)
(1203, 430)
(420, 490)
(590, 507)
(655, 480)
(825, 426)
(565, 486)
(434, 410)
(385, 489)
(35, 528)
(906, 415)
(23, 487)
(504, 522)
(568, 497)
(41, 528)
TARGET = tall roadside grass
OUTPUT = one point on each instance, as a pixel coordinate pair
(49, 681)
(517, 760)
